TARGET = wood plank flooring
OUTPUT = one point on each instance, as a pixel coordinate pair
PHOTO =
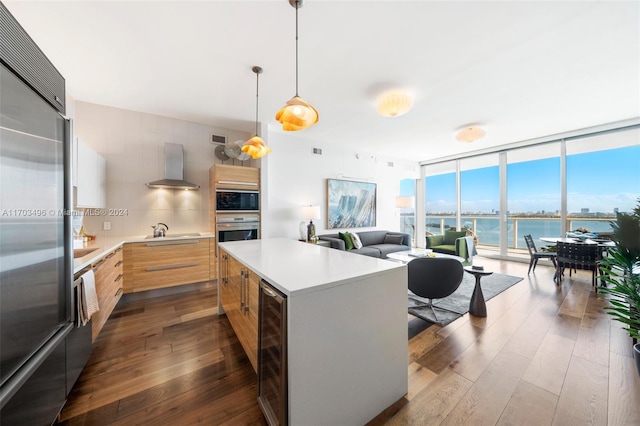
(545, 355)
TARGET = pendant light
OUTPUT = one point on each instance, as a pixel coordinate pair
(255, 146)
(297, 114)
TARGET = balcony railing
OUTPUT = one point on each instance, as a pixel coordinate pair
(487, 228)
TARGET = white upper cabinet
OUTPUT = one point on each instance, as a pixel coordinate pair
(91, 181)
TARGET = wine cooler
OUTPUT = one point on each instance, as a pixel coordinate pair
(272, 355)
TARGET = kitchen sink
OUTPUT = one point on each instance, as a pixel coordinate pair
(83, 252)
(185, 235)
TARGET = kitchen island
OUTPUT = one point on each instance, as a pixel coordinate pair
(346, 327)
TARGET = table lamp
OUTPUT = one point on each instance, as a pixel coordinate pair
(310, 213)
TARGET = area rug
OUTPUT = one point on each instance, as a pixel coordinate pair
(457, 304)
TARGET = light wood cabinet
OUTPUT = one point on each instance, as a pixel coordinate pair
(235, 177)
(109, 279)
(238, 289)
(222, 176)
(159, 264)
(213, 260)
(127, 253)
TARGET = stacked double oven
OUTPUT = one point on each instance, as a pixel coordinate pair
(235, 202)
(237, 214)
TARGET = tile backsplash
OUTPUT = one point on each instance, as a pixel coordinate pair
(132, 144)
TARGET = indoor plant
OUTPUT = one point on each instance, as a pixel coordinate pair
(620, 270)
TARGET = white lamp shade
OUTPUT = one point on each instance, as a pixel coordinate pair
(470, 134)
(402, 201)
(394, 104)
(311, 212)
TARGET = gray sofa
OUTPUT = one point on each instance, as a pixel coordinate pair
(373, 242)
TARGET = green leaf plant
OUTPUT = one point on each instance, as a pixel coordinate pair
(621, 271)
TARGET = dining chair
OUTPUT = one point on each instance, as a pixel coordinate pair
(577, 256)
(535, 254)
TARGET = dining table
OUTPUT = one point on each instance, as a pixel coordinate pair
(604, 244)
(598, 241)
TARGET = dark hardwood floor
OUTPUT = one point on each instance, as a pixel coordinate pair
(545, 355)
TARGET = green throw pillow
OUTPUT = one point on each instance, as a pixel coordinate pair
(348, 242)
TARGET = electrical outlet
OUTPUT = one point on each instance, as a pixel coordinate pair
(106, 226)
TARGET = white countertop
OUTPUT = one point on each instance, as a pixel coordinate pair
(296, 267)
(105, 245)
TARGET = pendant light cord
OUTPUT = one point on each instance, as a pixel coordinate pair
(297, 6)
(257, 91)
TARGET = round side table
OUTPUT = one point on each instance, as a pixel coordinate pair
(477, 306)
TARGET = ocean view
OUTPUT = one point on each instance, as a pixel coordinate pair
(488, 231)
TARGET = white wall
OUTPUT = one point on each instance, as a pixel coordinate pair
(296, 177)
(133, 145)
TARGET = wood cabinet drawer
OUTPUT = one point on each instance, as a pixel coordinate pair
(109, 278)
(159, 264)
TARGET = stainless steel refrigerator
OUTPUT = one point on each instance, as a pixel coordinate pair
(36, 256)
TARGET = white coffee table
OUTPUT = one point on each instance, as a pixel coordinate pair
(408, 255)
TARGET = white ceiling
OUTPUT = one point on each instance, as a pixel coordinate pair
(522, 69)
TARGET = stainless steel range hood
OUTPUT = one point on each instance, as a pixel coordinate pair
(173, 170)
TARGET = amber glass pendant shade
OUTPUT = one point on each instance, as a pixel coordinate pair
(256, 147)
(297, 114)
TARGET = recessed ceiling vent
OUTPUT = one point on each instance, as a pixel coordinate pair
(173, 170)
(218, 139)
(317, 151)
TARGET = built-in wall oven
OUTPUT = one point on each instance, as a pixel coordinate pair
(237, 201)
(272, 355)
(237, 228)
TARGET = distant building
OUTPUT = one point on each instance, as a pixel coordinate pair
(584, 210)
(615, 210)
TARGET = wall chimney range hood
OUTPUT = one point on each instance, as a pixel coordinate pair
(173, 170)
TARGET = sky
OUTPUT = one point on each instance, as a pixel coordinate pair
(599, 181)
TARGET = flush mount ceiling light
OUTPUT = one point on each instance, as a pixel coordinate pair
(255, 146)
(297, 114)
(394, 103)
(470, 134)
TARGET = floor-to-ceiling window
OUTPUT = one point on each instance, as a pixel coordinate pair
(480, 197)
(603, 177)
(440, 197)
(533, 193)
(405, 203)
(542, 189)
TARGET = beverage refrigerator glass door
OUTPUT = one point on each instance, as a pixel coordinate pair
(237, 201)
(272, 355)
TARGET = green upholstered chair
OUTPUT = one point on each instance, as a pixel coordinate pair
(452, 242)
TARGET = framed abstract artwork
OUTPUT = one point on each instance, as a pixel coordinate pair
(350, 204)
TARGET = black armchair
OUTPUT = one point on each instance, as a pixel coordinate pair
(434, 278)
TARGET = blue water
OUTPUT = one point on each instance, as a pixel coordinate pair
(488, 229)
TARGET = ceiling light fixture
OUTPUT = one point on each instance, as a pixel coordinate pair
(255, 146)
(394, 104)
(297, 114)
(470, 134)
